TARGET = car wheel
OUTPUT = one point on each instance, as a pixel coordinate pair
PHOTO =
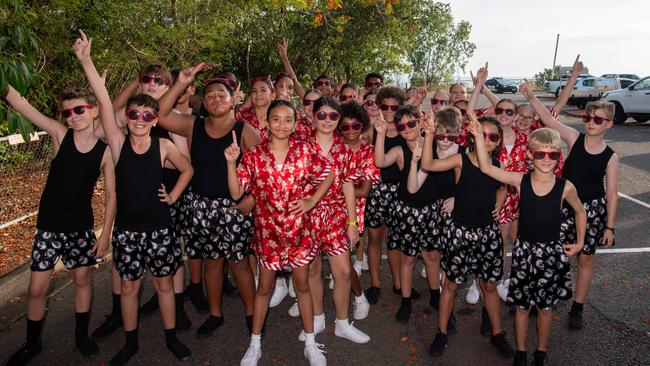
(619, 114)
(557, 92)
(641, 119)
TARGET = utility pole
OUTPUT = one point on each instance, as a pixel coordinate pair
(557, 40)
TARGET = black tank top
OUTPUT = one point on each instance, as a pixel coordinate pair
(428, 192)
(66, 202)
(170, 175)
(475, 195)
(137, 180)
(210, 167)
(446, 180)
(586, 171)
(389, 174)
(540, 216)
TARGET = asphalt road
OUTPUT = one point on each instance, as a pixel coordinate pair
(617, 314)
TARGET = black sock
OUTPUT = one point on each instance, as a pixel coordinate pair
(82, 320)
(34, 328)
(435, 297)
(117, 309)
(406, 301)
(179, 300)
(539, 354)
(132, 338)
(577, 307)
(170, 335)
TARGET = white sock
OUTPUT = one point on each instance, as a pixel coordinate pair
(256, 340)
(359, 262)
(320, 317)
(360, 298)
(309, 339)
(280, 282)
(342, 323)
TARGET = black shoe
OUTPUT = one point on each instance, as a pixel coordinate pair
(198, 298)
(437, 348)
(486, 327)
(500, 342)
(85, 345)
(150, 306)
(521, 359)
(575, 320)
(451, 325)
(23, 355)
(209, 326)
(404, 312)
(179, 349)
(124, 355)
(183, 323)
(111, 324)
(372, 294)
(229, 289)
(539, 358)
(415, 295)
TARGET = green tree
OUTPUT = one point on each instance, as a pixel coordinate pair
(542, 77)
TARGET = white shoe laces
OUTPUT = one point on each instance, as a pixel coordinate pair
(315, 350)
(251, 353)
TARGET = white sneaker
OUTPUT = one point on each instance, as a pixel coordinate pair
(423, 273)
(314, 353)
(292, 292)
(473, 294)
(348, 331)
(319, 327)
(294, 311)
(252, 355)
(502, 289)
(331, 285)
(361, 307)
(279, 293)
(365, 263)
(357, 267)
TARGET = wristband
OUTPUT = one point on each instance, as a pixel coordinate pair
(610, 229)
(353, 223)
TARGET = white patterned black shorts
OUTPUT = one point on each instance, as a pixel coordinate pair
(378, 204)
(181, 214)
(218, 231)
(75, 248)
(596, 222)
(412, 228)
(441, 227)
(473, 250)
(156, 249)
(540, 275)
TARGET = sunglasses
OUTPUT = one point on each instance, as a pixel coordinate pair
(450, 138)
(322, 83)
(347, 127)
(369, 103)
(80, 109)
(135, 115)
(508, 112)
(308, 102)
(539, 155)
(525, 118)
(385, 107)
(344, 98)
(435, 101)
(374, 83)
(333, 116)
(146, 79)
(410, 124)
(492, 136)
(597, 120)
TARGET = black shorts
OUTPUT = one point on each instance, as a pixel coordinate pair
(440, 228)
(181, 214)
(75, 248)
(156, 249)
(596, 223)
(540, 275)
(218, 231)
(412, 228)
(473, 250)
(378, 204)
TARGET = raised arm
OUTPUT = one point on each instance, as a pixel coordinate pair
(416, 176)
(119, 102)
(47, 124)
(428, 163)
(568, 134)
(563, 98)
(570, 195)
(479, 82)
(232, 153)
(114, 135)
(282, 50)
(383, 159)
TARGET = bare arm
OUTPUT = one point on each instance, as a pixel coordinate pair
(481, 76)
(363, 189)
(250, 137)
(428, 162)
(110, 205)
(120, 100)
(182, 164)
(611, 188)
(570, 195)
(47, 124)
(351, 208)
(282, 49)
(232, 153)
(383, 159)
(563, 98)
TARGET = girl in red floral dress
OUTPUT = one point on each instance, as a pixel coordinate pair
(280, 174)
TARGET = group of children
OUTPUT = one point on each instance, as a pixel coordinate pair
(354, 168)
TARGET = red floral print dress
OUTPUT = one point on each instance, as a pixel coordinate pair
(364, 161)
(304, 127)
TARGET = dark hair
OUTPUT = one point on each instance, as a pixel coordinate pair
(508, 100)
(158, 70)
(174, 73)
(77, 93)
(394, 92)
(350, 85)
(407, 110)
(143, 100)
(374, 75)
(365, 96)
(461, 101)
(453, 85)
(326, 100)
(449, 118)
(263, 78)
(355, 111)
(281, 75)
(279, 103)
(225, 82)
(495, 122)
(322, 76)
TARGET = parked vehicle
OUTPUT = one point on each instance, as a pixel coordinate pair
(554, 86)
(592, 88)
(500, 85)
(633, 101)
(625, 76)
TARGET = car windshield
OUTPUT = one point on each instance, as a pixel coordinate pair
(505, 82)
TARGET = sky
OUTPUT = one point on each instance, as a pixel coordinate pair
(517, 37)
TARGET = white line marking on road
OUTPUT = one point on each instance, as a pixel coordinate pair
(599, 251)
(646, 205)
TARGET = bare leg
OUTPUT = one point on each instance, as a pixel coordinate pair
(245, 283)
(214, 284)
(375, 241)
(394, 258)
(341, 269)
(36, 294)
(432, 264)
(165, 289)
(179, 280)
(407, 264)
(544, 323)
(316, 284)
(262, 297)
(83, 289)
(196, 270)
(361, 248)
(491, 301)
(300, 278)
(585, 273)
(130, 303)
(447, 297)
(521, 327)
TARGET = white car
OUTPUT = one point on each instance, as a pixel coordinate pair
(592, 88)
(633, 101)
